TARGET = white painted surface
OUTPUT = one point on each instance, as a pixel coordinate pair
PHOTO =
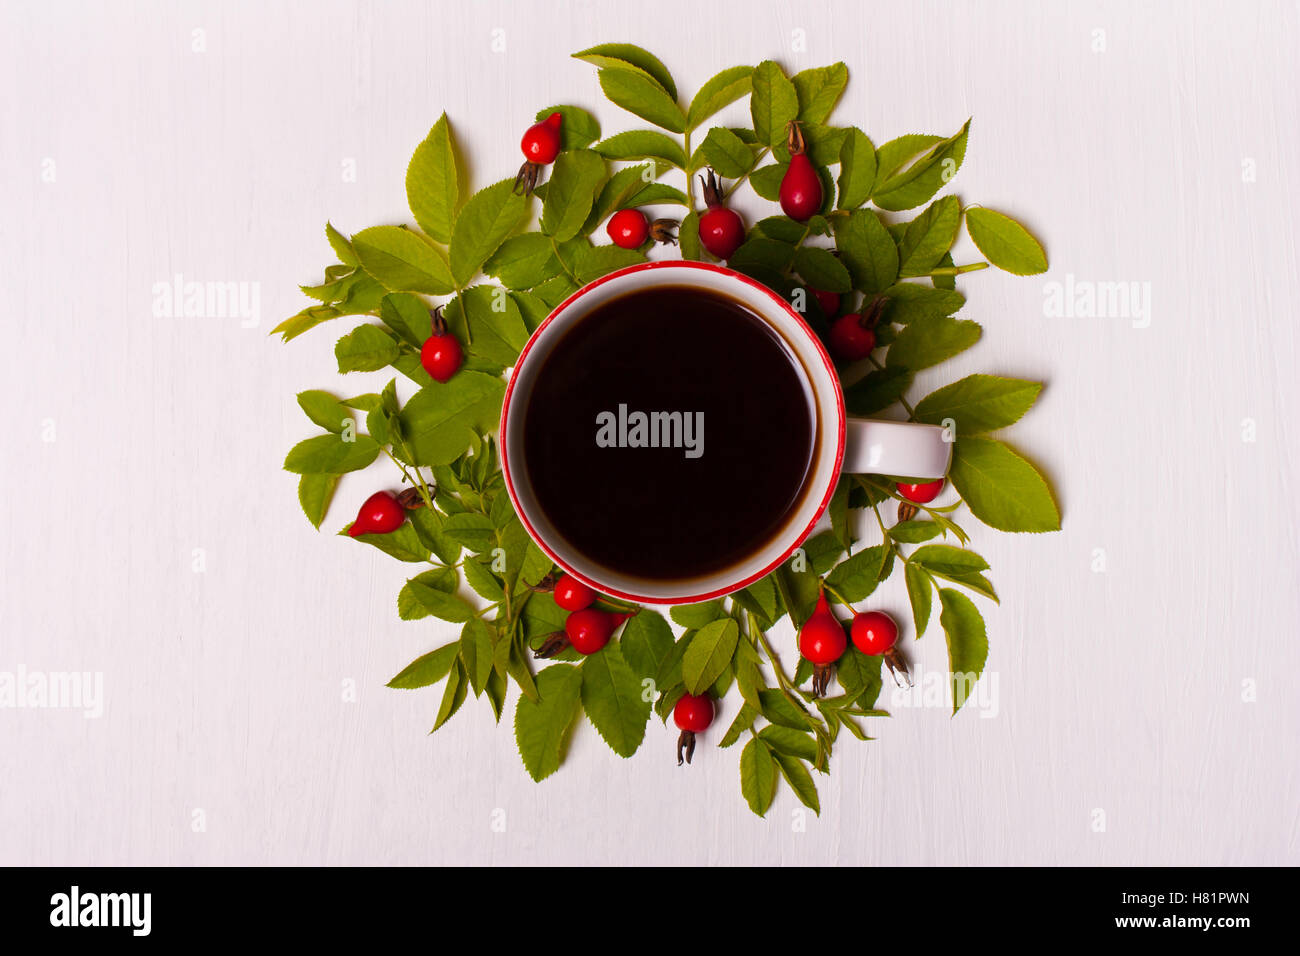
(1119, 690)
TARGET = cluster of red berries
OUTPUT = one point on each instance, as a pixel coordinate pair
(822, 640)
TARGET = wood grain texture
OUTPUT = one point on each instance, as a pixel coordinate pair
(1119, 690)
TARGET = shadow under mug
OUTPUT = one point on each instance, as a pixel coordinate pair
(842, 445)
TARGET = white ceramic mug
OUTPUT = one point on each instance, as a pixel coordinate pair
(843, 444)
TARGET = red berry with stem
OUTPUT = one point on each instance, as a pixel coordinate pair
(590, 629)
(921, 492)
(540, 145)
(853, 336)
(379, 514)
(692, 714)
(721, 230)
(441, 353)
(572, 595)
(801, 186)
(875, 633)
(822, 642)
(628, 228)
(830, 304)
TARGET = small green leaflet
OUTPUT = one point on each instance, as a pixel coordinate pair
(919, 594)
(476, 650)
(427, 669)
(726, 152)
(914, 185)
(314, 494)
(1005, 243)
(324, 409)
(773, 103)
(542, 726)
(857, 171)
(1001, 488)
(523, 261)
(718, 92)
(576, 178)
(697, 615)
(857, 577)
(432, 182)
(928, 237)
(403, 261)
(627, 56)
(867, 250)
(647, 642)
(821, 270)
(641, 95)
(979, 403)
(709, 654)
(496, 326)
(799, 779)
(757, 776)
(490, 215)
(440, 419)
(818, 89)
(366, 348)
(968, 645)
(453, 695)
(932, 340)
(642, 144)
(331, 455)
(612, 699)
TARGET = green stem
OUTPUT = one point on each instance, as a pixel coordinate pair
(736, 185)
(957, 270)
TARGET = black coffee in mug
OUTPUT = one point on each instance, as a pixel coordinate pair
(669, 434)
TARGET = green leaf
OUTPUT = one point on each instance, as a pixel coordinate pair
(773, 103)
(726, 152)
(856, 577)
(324, 409)
(496, 330)
(576, 178)
(429, 525)
(763, 253)
(709, 654)
(968, 645)
(929, 341)
(365, 349)
(979, 403)
(757, 776)
(403, 544)
(719, 91)
(909, 187)
(592, 262)
(763, 591)
(919, 594)
(432, 182)
(441, 419)
(789, 741)
(409, 607)
(697, 615)
(542, 726)
(1002, 489)
(642, 96)
(1005, 243)
(474, 531)
(341, 245)
(314, 494)
(442, 605)
(642, 144)
(929, 236)
(647, 642)
(483, 581)
(893, 156)
(766, 180)
(688, 238)
(821, 270)
(744, 721)
(452, 697)
(819, 88)
(857, 170)
(427, 669)
(488, 218)
(909, 301)
(876, 391)
(800, 780)
(914, 532)
(627, 56)
(611, 696)
(523, 261)
(402, 261)
(945, 559)
(822, 551)
(867, 250)
(476, 653)
(578, 128)
(858, 674)
(778, 709)
(331, 455)
(408, 316)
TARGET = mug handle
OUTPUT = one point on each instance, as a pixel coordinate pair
(905, 449)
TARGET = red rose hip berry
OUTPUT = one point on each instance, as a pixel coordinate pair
(572, 595)
(801, 186)
(721, 231)
(591, 628)
(379, 514)
(921, 493)
(853, 336)
(540, 146)
(830, 304)
(822, 642)
(874, 633)
(628, 229)
(441, 354)
(692, 714)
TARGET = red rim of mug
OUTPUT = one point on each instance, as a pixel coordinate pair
(750, 579)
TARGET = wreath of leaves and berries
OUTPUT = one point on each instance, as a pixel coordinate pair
(457, 298)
